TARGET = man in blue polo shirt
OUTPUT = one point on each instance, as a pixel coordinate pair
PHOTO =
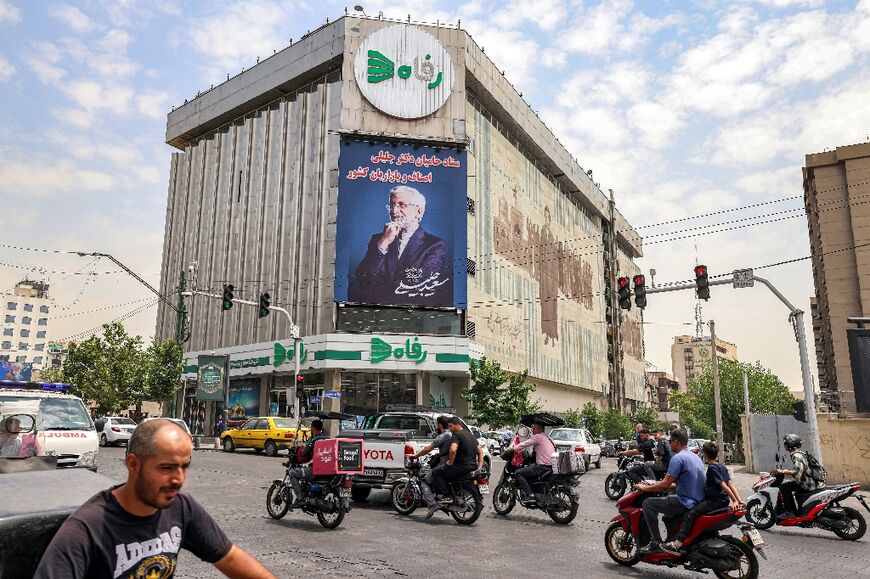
(685, 469)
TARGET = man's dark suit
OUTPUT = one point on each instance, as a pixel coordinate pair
(379, 275)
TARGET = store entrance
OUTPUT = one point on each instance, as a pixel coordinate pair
(365, 393)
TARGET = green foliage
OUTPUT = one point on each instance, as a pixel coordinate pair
(498, 398)
(649, 417)
(51, 374)
(591, 418)
(114, 372)
(615, 424)
(767, 395)
(573, 419)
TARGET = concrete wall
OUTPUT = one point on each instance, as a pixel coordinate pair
(845, 444)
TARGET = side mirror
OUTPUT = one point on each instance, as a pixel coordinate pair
(19, 423)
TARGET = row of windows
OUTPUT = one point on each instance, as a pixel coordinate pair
(24, 333)
(36, 359)
(23, 346)
(27, 307)
(26, 320)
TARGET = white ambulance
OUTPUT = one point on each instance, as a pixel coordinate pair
(65, 428)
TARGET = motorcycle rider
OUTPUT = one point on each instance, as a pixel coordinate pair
(802, 479)
(687, 471)
(303, 473)
(662, 452)
(645, 447)
(442, 444)
(465, 456)
(544, 448)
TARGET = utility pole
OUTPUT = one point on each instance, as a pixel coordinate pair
(717, 398)
(747, 411)
(616, 383)
(181, 319)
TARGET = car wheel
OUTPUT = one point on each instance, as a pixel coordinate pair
(598, 462)
(103, 440)
(271, 448)
(228, 444)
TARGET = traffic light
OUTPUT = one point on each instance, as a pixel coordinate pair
(624, 293)
(228, 297)
(640, 291)
(264, 305)
(300, 385)
(702, 289)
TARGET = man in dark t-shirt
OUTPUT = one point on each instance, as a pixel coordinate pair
(465, 457)
(136, 529)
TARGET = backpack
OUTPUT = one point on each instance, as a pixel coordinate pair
(817, 472)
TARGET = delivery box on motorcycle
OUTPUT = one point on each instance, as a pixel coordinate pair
(334, 456)
(567, 462)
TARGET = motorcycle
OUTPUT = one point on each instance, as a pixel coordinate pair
(327, 497)
(626, 476)
(558, 495)
(820, 508)
(704, 548)
(407, 494)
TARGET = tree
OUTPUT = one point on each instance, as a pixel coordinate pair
(573, 418)
(591, 418)
(767, 395)
(615, 424)
(114, 372)
(649, 417)
(498, 398)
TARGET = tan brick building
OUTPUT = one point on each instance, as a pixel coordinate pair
(836, 194)
(689, 355)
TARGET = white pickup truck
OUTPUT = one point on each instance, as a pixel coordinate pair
(389, 437)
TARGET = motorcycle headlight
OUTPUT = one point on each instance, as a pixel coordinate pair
(88, 459)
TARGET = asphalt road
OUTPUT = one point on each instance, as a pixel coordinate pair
(374, 541)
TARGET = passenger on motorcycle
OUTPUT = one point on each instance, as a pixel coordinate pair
(441, 443)
(465, 456)
(802, 474)
(687, 471)
(719, 492)
(544, 448)
(663, 452)
(646, 447)
(303, 473)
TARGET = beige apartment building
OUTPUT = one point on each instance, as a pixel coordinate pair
(836, 195)
(689, 356)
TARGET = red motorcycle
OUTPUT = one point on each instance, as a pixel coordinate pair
(703, 549)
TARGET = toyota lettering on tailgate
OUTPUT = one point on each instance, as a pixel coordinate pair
(379, 454)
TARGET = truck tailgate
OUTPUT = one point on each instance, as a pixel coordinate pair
(382, 449)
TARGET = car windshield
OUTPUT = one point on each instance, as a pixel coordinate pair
(284, 423)
(565, 434)
(59, 413)
(123, 422)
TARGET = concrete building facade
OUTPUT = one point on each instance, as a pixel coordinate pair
(836, 189)
(690, 355)
(25, 324)
(258, 198)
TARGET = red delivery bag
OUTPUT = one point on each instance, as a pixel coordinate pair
(334, 456)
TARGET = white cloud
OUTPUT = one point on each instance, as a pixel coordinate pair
(790, 3)
(6, 70)
(49, 178)
(8, 12)
(610, 27)
(153, 104)
(74, 18)
(773, 183)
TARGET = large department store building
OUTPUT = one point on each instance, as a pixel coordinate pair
(386, 184)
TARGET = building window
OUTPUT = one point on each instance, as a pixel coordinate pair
(43, 309)
(39, 347)
(7, 345)
(26, 320)
(12, 306)
(56, 362)
(37, 360)
(8, 332)
(43, 321)
(10, 319)
(25, 333)
(40, 334)
(28, 307)
(22, 346)
(21, 359)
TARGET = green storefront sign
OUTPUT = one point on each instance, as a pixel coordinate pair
(211, 377)
(382, 350)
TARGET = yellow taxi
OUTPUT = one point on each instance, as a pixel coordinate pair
(267, 434)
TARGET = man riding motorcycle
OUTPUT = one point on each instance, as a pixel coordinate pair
(646, 447)
(303, 473)
(436, 463)
(803, 481)
(544, 449)
(687, 471)
(465, 456)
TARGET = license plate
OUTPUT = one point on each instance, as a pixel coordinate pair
(484, 489)
(344, 493)
(373, 472)
(755, 537)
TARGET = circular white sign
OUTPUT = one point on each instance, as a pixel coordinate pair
(404, 71)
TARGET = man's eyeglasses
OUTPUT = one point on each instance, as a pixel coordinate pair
(400, 204)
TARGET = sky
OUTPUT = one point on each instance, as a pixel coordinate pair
(681, 108)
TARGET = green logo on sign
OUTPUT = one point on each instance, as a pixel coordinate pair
(381, 350)
(282, 354)
(381, 68)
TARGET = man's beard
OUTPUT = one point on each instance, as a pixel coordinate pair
(152, 498)
(404, 222)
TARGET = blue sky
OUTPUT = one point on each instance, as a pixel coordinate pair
(681, 108)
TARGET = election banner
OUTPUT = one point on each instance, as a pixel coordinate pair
(402, 230)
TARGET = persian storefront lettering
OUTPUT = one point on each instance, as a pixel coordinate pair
(382, 68)
(382, 350)
(282, 354)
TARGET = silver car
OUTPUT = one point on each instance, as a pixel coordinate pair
(116, 429)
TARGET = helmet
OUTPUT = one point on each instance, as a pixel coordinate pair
(792, 441)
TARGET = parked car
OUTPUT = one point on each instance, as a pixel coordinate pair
(485, 440)
(177, 421)
(115, 430)
(581, 441)
(267, 434)
(695, 444)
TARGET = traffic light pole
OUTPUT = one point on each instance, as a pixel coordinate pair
(294, 332)
(797, 319)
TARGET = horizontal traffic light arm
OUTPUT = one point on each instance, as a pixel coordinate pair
(294, 330)
(724, 281)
